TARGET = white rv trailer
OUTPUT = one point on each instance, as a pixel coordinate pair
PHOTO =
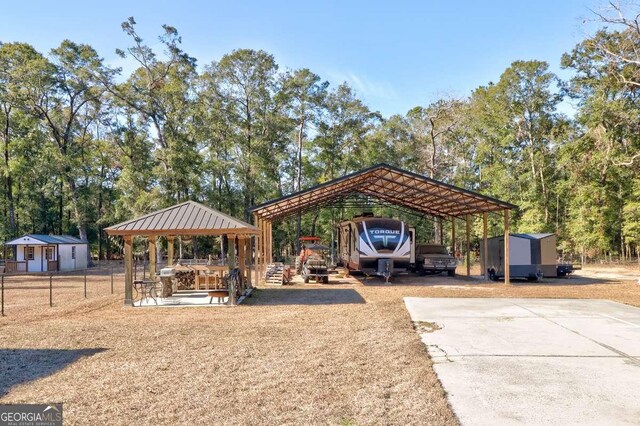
(376, 246)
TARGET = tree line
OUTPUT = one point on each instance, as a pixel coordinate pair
(85, 146)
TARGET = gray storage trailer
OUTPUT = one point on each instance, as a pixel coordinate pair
(531, 256)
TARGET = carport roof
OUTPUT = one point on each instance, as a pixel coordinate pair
(389, 184)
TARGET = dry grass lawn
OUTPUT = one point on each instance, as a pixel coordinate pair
(343, 353)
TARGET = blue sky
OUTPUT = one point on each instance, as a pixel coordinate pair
(396, 54)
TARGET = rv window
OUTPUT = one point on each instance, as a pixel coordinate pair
(73, 252)
(30, 253)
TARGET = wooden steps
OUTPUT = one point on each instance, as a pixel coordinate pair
(275, 274)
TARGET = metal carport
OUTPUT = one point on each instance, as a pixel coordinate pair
(392, 185)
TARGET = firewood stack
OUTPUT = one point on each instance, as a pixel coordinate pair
(186, 280)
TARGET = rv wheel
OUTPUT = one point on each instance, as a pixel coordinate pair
(492, 275)
(306, 280)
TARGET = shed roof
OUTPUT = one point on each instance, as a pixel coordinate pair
(534, 236)
(45, 239)
(188, 218)
(391, 185)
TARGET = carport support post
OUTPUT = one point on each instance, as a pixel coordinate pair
(128, 270)
(467, 242)
(270, 246)
(453, 237)
(258, 259)
(507, 272)
(259, 251)
(265, 245)
(485, 245)
(152, 257)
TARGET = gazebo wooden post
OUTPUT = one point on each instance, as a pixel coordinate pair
(241, 257)
(170, 247)
(152, 257)
(468, 243)
(256, 260)
(231, 260)
(507, 271)
(260, 251)
(441, 233)
(128, 270)
(249, 253)
(485, 245)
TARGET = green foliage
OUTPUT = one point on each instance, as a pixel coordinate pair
(239, 131)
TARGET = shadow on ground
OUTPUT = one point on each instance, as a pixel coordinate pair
(458, 280)
(304, 296)
(18, 366)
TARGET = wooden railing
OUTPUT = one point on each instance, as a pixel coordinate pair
(15, 266)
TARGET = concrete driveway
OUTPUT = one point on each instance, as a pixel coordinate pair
(534, 361)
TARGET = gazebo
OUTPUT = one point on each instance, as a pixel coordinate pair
(186, 219)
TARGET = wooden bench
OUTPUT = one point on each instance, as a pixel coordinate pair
(220, 294)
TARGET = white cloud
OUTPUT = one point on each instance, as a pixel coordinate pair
(364, 85)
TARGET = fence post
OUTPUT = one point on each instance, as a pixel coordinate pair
(2, 279)
(51, 290)
(112, 279)
(85, 283)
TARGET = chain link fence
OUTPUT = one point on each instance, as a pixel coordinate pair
(20, 292)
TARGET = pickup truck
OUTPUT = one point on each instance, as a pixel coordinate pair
(434, 259)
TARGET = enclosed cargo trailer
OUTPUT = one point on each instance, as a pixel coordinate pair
(531, 256)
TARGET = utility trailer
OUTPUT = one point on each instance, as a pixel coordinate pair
(531, 256)
(315, 269)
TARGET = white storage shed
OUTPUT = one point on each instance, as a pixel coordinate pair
(45, 253)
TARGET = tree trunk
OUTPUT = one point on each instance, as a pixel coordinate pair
(81, 219)
(8, 177)
(60, 208)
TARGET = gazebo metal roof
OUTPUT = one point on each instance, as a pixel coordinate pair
(188, 218)
(391, 185)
